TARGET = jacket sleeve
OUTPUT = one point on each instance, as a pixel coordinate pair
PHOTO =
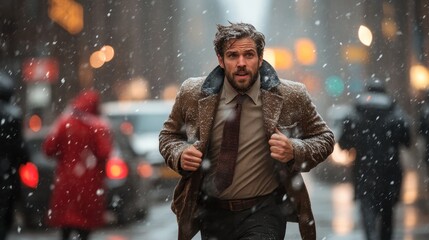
(401, 127)
(51, 144)
(424, 121)
(345, 140)
(173, 138)
(103, 141)
(316, 141)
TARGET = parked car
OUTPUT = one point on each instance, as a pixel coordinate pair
(126, 184)
(142, 121)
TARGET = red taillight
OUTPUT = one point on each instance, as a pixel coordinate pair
(116, 168)
(127, 128)
(35, 123)
(29, 175)
(145, 170)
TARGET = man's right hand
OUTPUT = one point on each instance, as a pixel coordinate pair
(191, 159)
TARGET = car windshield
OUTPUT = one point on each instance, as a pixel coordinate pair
(144, 123)
(149, 123)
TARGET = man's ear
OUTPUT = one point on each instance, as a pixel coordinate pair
(220, 61)
(261, 59)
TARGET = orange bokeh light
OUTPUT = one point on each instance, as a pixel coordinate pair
(305, 51)
(97, 59)
(108, 51)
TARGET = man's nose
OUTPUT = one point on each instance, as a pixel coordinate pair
(241, 61)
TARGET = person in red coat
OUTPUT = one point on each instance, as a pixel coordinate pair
(80, 141)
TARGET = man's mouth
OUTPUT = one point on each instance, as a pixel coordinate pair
(241, 73)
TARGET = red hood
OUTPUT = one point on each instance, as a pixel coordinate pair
(87, 101)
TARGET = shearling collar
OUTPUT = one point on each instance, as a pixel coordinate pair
(214, 81)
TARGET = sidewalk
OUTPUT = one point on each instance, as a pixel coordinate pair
(337, 215)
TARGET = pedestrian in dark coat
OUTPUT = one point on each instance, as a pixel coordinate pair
(424, 128)
(81, 143)
(13, 153)
(281, 135)
(376, 129)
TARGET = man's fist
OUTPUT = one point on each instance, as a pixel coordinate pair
(191, 159)
(281, 147)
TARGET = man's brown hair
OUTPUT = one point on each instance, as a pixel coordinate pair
(237, 31)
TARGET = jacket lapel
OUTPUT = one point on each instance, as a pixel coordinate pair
(206, 115)
(272, 105)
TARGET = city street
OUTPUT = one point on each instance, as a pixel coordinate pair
(335, 212)
(143, 63)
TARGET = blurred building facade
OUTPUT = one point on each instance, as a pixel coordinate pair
(165, 42)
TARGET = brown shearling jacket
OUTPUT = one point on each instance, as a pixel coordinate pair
(286, 104)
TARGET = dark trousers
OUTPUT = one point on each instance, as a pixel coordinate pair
(6, 216)
(264, 221)
(7, 199)
(377, 219)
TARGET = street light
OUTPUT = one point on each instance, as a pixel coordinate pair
(365, 35)
(419, 77)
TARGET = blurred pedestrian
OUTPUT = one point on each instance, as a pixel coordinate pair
(81, 142)
(13, 153)
(376, 129)
(233, 183)
(424, 128)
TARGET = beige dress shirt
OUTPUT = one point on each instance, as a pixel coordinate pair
(254, 170)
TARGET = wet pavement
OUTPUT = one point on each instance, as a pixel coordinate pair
(337, 215)
(335, 212)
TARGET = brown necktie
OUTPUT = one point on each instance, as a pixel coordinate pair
(229, 147)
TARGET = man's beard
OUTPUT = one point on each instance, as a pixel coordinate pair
(239, 88)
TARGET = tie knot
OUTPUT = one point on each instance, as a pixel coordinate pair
(240, 98)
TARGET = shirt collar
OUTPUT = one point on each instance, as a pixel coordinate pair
(229, 93)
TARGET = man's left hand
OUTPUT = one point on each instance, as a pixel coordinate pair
(281, 147)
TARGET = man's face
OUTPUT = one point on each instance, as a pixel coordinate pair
(241, 63)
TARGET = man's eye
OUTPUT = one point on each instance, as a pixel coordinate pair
(249, 55)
